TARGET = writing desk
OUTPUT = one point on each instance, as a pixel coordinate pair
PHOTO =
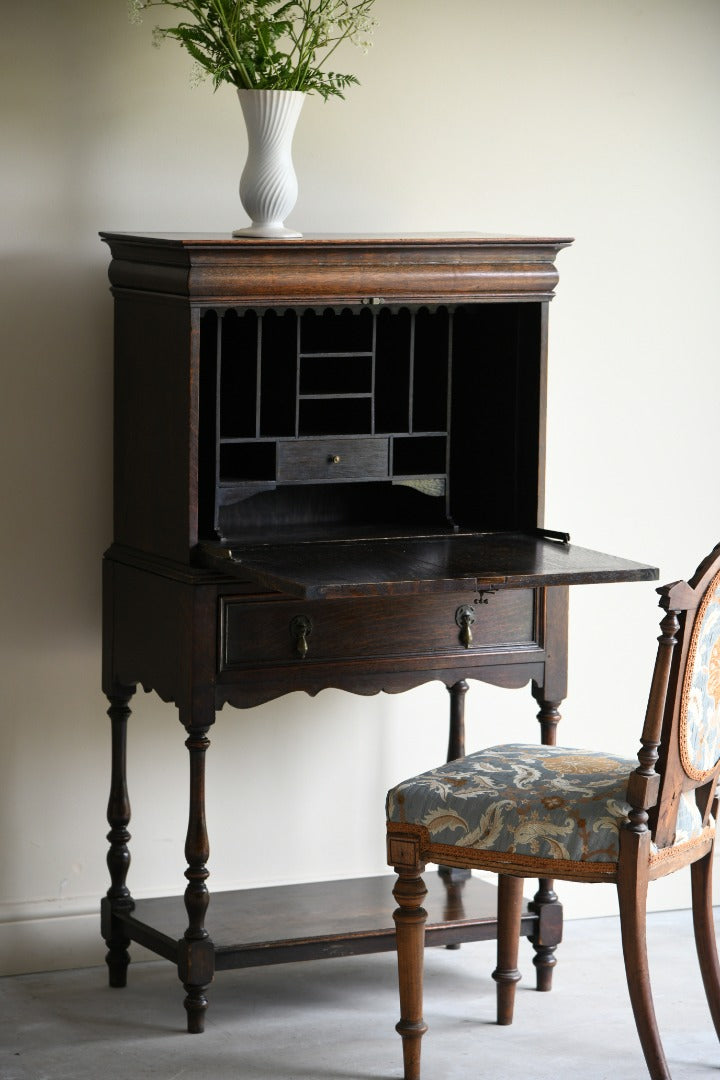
(329, 472)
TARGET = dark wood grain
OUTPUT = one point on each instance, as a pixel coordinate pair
(274, 925)
(436, 564)
(403, 626)
(335, 268)
(332, 459)
(155, 441)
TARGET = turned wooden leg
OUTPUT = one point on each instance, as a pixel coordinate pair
(196, 966)
(454, 876)
(506, 974)
(705, 941)
(545, 903)
(118, 896)
(553, 606)
(547, 934)
(554, 603)
(549, 717)
(456, 740)
(632, 893)
(410, 919)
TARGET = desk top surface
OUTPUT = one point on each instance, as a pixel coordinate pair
(411, 565)
(381, 239)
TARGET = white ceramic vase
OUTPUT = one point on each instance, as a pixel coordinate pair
(268, 185)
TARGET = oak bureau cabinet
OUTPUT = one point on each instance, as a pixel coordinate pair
(329, 472)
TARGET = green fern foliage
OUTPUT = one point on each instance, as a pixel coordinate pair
(267, 44)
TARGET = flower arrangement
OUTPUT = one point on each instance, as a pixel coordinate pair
(267, 44)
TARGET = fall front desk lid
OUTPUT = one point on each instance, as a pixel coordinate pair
(396, 566)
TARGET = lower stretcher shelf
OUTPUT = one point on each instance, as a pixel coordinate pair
(253, 927)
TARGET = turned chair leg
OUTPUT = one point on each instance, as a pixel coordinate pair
(704, 926)
(410, 918)
(632, 893)
(506, 974)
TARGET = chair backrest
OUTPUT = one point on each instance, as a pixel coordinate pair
(680, 753)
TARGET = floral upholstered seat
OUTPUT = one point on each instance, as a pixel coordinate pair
(546, 802)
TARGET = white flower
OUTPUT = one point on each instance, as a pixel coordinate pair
(135, 10)
(198, 74)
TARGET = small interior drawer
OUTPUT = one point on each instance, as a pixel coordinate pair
(331, 458)
(255, 633)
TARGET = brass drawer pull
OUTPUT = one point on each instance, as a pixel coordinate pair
(465, 617)
(334, 459)
(300, 630)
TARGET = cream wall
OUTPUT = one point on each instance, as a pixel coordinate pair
(592, 118)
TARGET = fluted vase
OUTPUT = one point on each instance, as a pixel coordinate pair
(268, 185)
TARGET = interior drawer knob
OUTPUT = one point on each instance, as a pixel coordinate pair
(334, 459)
(300, 630)
(465, 617)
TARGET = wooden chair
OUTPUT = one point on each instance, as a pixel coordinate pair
(552, 812)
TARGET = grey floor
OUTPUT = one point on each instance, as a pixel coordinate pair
(334, 1019)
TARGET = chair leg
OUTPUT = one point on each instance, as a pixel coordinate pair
(506, 974)
(705, 942)
(410, 918)
(548, 932)
(632, 893)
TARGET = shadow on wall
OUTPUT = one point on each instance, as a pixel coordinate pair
(56, 447)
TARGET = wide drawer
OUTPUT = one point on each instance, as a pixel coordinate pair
(301, 460)
(284, 631)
